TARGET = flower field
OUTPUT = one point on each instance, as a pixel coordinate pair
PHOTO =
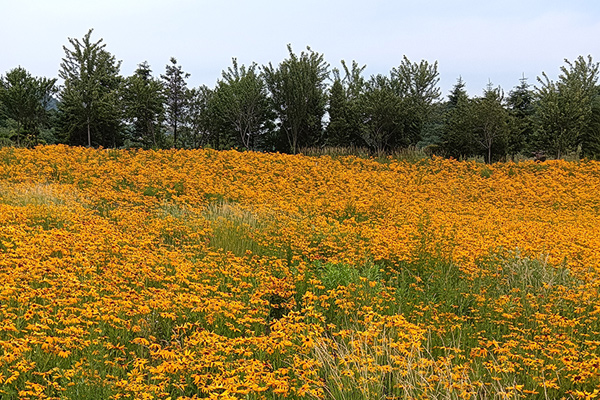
(188, 274)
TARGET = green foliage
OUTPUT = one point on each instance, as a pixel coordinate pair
(198, 125)
(90, 110)
(298, 94)
(143, 101)
(566, 111)
(176, 97)
(8, 130)
(334, 275)
(380, 109)
(416, 84)
(285, 107)
(476, 126)
(395, 111)
(520, 105)
(458, 139)
(24, 99)
(240, 105)
(344, 127)
(491, 122)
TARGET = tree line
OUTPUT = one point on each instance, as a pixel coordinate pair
(299, 103)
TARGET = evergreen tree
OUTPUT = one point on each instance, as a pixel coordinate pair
(176, 95)
(520, 103)
(344, 127)
(458, 138)
(337, 108)
(591, 143)
(297, 90)
(90, 109)
(458, 93)
(25, 100)
(144, 101)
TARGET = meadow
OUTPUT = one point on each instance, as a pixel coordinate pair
(185, 274)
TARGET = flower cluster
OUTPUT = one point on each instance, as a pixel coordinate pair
(207, 274)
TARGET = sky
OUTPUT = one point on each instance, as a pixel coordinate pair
(481, 41)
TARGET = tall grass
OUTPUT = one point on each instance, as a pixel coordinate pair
(233, 229)
(411, 153)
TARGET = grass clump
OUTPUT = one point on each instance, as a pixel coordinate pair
(233, 229)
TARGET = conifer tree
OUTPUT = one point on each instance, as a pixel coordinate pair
(176, 97)
(144, 101)
(520, 104)
(344, 128)
(458, 134)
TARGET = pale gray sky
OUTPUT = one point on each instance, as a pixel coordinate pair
(477, 39)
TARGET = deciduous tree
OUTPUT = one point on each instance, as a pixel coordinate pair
(90, 108)
(380, 109)
(241, 105)
(25, 99)
(297, 90)
(416, 84)
(198, 129)
(565, 112)
(490, 121)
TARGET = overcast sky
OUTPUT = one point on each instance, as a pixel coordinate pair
(479, 40)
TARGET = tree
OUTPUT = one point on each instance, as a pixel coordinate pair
(198, 124)
(565, 113)
(416, 84)
(144, 101)
(591, 143)
(520, 104)
(297, 93)
(176, 92)
(25, 99)
(380, 109)
(344, 127)
(458, 138)
(90, 99)
(241, 105)
(581, 82)
(490, 121)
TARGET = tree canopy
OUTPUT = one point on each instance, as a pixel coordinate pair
(297, 104)
(90, 104)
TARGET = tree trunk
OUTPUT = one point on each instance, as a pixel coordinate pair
(18, 134)
(175, 135)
